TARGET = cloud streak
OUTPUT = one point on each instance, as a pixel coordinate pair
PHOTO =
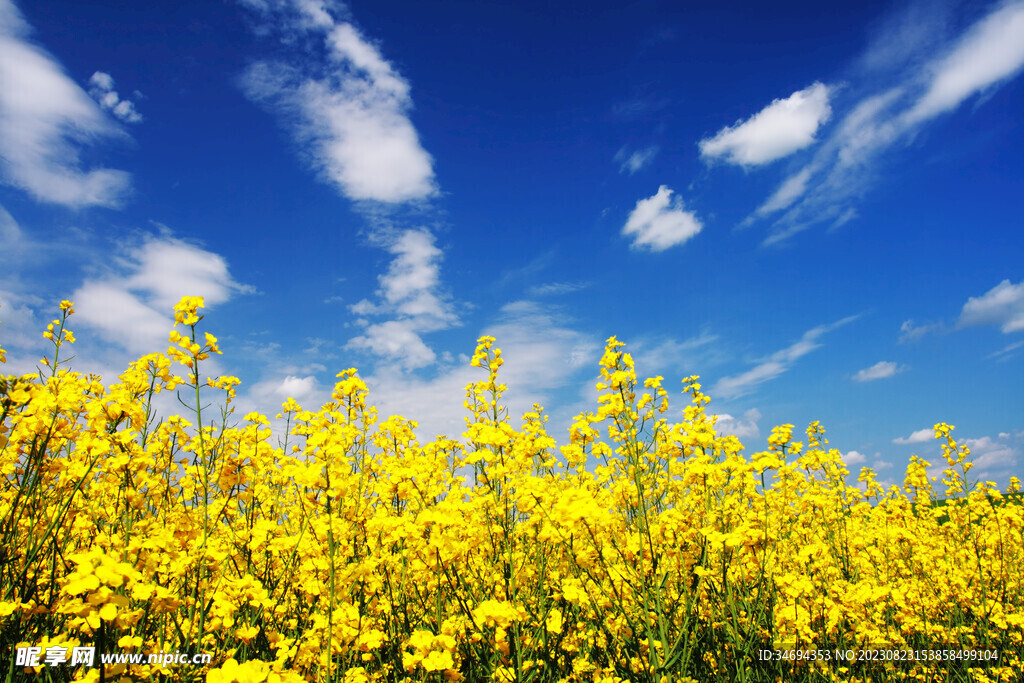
(774, 365)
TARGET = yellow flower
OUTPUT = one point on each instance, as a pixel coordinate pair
(247, 633)
(185, 310)
(165, 525)
(438, 661)
(554, 621)
(227, 673)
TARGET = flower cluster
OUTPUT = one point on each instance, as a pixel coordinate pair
(640, 550)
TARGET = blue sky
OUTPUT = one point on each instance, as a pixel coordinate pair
(817, 212)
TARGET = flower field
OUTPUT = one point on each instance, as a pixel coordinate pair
(641, 550)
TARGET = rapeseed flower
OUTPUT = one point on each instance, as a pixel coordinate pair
(641, 549)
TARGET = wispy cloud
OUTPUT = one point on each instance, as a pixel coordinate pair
(345, 104)
(131, 306)
(1003, 354)
(46, 120)
(1003, 305)
(410, 294)
(660, 222)
(556, 288)
(529, 273)
(776, 364)
(778, 130)
(879, 370)
(10, 231)
(20, 330)
(932, 79)
(687, 357)
(101, 87)
(631, 162)
(909, 332)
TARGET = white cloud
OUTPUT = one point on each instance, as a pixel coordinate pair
(539, 349)
(775, 365)
(636, 160)
(1002, 305)
(168, 269)
(409, 291)
(350, 110)
(281, 383)
(122, 317)
(363, 307)
(303, 389)
(315, 12)
(742, 428)
(915, 84)
(853, 458)
(990, 52)
(398, 340)
(920, 436)
(783, 127)
(45, 120)
(101, 87)
(879, 370)
(993, 457)
(435, 404)
(542, 355)
(659, 222)
(133, 307)
(12, 19)
(413, 277)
